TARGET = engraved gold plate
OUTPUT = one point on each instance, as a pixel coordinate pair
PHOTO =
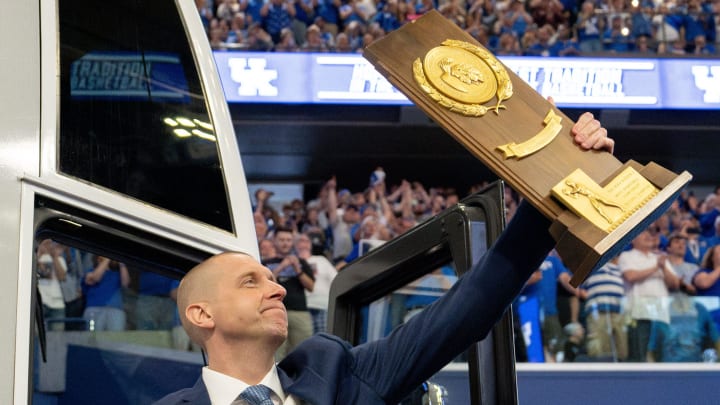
(605, 207)
(462, 77)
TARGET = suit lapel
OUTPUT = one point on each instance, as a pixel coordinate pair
(198, 394)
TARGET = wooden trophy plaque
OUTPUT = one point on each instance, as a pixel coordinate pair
(597, 203)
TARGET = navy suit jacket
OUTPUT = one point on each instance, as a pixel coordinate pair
(325, 370)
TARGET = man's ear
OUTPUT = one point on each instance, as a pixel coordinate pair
(199, 315)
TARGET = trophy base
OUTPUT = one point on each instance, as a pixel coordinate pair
(584, 247)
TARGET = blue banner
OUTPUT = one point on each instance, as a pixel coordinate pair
(312, 78)
(152, 76)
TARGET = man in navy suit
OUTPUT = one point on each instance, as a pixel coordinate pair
(231, 305)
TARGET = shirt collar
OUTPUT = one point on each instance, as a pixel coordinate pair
(224, 389)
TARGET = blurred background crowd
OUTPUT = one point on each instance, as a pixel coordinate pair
(506, 27)
(658, 301)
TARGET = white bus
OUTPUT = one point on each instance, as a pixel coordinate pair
(116, 143)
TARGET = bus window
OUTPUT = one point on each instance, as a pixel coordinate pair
(106, 328)
(133, 115)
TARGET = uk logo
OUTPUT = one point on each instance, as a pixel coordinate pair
(253, 77)
(707, 78)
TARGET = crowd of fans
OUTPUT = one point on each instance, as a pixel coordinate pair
(507, 27)
(658, 301)
(81, 291)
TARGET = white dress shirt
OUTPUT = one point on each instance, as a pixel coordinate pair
(224, 390)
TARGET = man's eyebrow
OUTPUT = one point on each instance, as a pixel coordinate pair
(259, 273)
(245, 274)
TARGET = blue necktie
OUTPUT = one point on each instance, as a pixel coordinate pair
(257, 395)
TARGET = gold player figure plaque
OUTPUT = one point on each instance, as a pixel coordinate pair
(597, 203)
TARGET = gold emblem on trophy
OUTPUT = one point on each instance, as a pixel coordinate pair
(463, 77)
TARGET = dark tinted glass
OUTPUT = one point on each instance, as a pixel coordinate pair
(133, 116)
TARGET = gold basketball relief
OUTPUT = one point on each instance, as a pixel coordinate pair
(463, 77)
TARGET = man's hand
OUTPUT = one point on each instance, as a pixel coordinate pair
(661, 261)
(589, 134)
(295, 262)
(262, 195)
(332, 183)
(290, 261)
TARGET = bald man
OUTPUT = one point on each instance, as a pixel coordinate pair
(234, 310)
(231, 305)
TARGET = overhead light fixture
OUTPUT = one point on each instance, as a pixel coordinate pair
(185, 128)
(204, 124)
(185, 122)
(204, 135)
(182, 133)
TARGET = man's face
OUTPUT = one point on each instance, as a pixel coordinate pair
(283, 243)
(369, 212)
(369, 228)
(248, 304)
(351, 215)
(312, 214)
(267, 249)
(677, 247)
(438, 202)
(644, 241)
(303, 244)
